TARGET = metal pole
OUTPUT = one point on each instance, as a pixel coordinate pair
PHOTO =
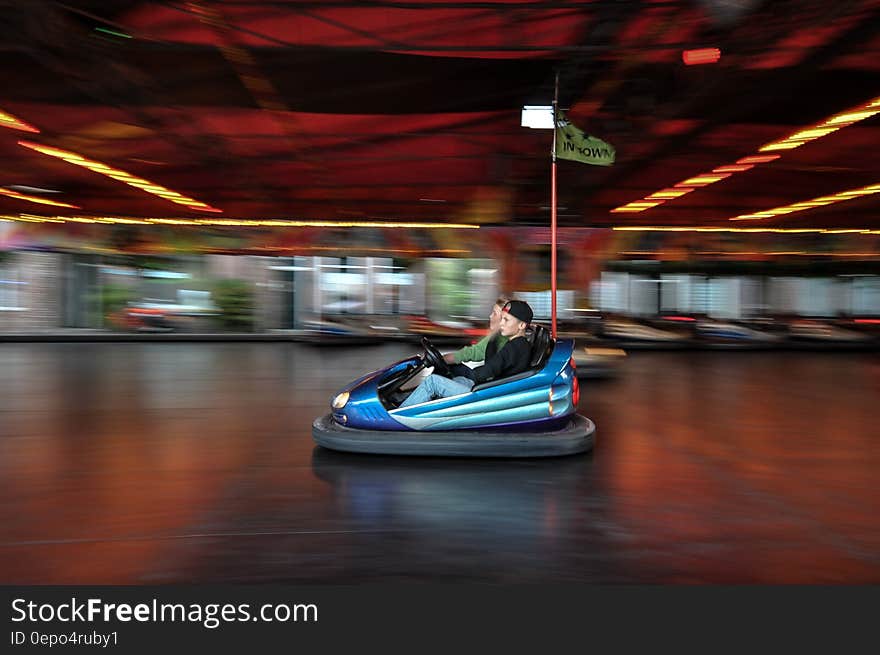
(553, 212)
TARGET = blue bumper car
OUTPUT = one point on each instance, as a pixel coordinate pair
(531, 414)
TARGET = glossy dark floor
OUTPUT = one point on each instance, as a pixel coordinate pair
(182, 462)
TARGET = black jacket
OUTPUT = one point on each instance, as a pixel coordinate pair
(491, 347)
(510, 360)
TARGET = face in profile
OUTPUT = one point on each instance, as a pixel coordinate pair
(510, 325)
(495, 318)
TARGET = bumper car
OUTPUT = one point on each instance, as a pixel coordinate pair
(598, 362)
(638, 335)
(825, 332)
(730, 333)
(531, 414)
(337, 333)
(453, 333)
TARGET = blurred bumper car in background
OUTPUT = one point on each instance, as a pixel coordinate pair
(598, 362)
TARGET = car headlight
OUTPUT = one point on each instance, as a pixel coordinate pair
(340, 400)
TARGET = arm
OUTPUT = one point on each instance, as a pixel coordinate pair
(473, 353)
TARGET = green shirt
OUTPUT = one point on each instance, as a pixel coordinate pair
(477, 351)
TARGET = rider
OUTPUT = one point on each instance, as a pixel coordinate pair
(512, 359)
(484, 348)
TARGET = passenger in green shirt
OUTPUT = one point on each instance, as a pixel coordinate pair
(488, 345)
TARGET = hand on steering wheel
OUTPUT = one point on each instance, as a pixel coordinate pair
(432, 357)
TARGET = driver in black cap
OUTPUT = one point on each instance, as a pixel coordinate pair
(510, 360)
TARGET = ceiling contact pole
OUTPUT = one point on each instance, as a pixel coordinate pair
(553, 213)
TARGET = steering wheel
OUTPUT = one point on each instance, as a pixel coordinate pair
(433, 358)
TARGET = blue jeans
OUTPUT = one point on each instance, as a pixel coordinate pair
(437, 386)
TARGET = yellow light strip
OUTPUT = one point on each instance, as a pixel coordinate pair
(785, 145)
(703, 180)
(829, 125)
(232, 222)
(638, 206)
(733, 168)
(757, 159)
(28, 218)
(122, 176)
(10, 121)
(755, 253)
(667, 194)
(809, 204)
(42, 201)
(799, 138)
(777, 230)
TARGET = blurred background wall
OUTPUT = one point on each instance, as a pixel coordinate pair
(257, 280)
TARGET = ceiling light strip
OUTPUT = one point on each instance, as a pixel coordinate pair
(232, 222)
(795, 140)
(122, 176)
(41, 201)
(10, 121)
(823, 128)
(809, 204)
(758, 253)
(777, 230)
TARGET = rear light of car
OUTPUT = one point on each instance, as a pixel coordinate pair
(572, 363)
(575, 392)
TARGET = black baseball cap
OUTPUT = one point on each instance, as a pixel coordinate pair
(519, 309)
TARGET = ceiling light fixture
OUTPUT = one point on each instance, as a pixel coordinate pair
(122, 176)
(700, 56)
(537, 116)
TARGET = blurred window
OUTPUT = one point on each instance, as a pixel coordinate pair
(815, 297)
(674, 292)
(752, 295)
(11, 287)
(699, 295)
(342, 285)
(866, 295)
(613, 292)
(783, 295)
(724, 297)
(643, 295)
